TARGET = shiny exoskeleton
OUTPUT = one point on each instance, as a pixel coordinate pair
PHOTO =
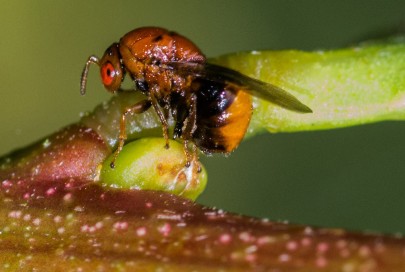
(211, 104)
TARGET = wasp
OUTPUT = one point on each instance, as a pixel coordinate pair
(210, 104)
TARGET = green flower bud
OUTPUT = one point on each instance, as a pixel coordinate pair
(146, 164)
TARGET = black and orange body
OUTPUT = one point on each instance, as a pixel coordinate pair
(211, 104)
(223, 116)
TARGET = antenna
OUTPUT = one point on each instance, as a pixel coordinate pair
(91, 60)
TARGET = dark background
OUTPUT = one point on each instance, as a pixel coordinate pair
(353, 178)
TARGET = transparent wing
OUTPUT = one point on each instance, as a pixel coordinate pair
(253, 86)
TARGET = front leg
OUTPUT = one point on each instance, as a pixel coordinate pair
(139, 107)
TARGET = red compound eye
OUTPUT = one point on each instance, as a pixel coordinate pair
(108, 74)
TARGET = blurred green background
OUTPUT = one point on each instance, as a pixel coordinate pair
(353, 178)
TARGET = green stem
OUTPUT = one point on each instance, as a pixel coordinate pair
(343, 87)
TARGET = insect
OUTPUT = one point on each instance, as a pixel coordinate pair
(210, 104)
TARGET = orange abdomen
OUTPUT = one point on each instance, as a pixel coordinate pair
(223, 116)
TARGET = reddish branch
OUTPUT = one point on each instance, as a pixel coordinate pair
(54, 217)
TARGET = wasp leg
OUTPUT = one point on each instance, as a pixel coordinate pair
(195, 157)
(139, 107)
(161, 115)
(189, 127)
